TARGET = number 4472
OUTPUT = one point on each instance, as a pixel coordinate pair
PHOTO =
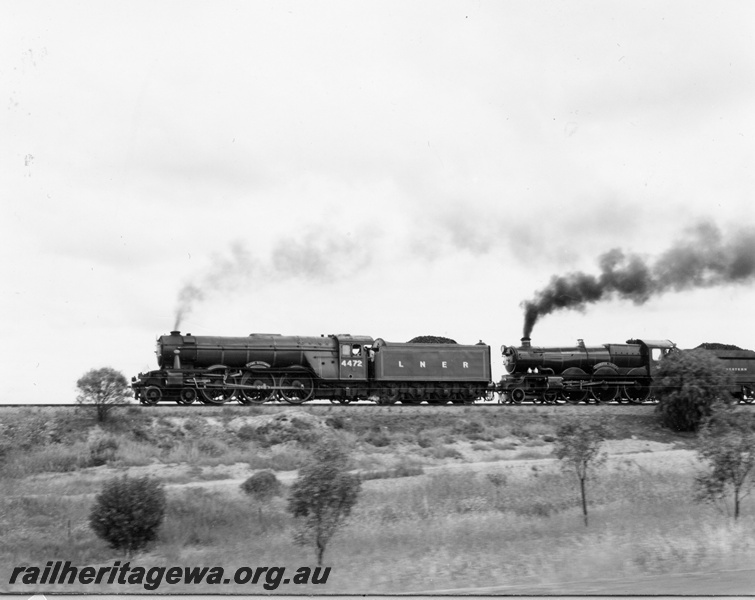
(351, 363)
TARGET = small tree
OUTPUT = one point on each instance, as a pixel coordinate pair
(688, 384)
(127, 513)
(727, 444)
(103, 388)
(262, 486)
(323, 496)
(578, 449)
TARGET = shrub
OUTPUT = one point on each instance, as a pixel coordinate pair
(247, 433)
(128, 513)
(102, 451)
(377, 438)
(445, 452)
(469, 428)
(262, 486)
(335, 422)
(211, 448)
(404, 469)
(688, 384)
(424, 442)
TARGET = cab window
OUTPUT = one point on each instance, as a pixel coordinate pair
(656, 354)
(351, 350)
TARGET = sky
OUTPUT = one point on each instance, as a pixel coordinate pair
(380, 168)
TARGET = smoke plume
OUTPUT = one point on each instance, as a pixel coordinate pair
(312, 257)
(703, 258)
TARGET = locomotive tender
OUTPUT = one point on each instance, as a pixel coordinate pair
(263, 367)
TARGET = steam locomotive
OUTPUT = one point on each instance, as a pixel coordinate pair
(344, 368)
(576, 374)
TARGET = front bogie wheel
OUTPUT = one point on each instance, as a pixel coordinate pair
(152, 395)
(187, 396)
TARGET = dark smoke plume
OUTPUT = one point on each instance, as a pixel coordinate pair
(704, 258)
(309, 258)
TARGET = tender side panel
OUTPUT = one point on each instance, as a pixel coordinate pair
(430, 362)
(741, 364)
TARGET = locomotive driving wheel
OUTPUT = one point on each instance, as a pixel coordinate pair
(574, 396)
(637, 392)
(606, 391)
(297, 388)
(256, 388)
(216, 395)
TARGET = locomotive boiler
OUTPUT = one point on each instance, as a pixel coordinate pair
(580, 373)
(263, 367)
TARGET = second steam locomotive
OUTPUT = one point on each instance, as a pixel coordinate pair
(343, 368)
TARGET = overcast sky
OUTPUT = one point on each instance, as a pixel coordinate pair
(390, 169)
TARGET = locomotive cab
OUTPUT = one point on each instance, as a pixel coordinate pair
(354, 355)
(653, 352)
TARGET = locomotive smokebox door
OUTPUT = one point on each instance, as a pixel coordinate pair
(353, 357)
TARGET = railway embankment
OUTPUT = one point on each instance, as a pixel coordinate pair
(452, 497)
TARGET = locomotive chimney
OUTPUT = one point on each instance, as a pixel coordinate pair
(175, 333)
(526, 342)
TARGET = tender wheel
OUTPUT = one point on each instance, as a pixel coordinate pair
(187, 396)
(296, 389)
(389, 394)
(257, 388)
(152, 395)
